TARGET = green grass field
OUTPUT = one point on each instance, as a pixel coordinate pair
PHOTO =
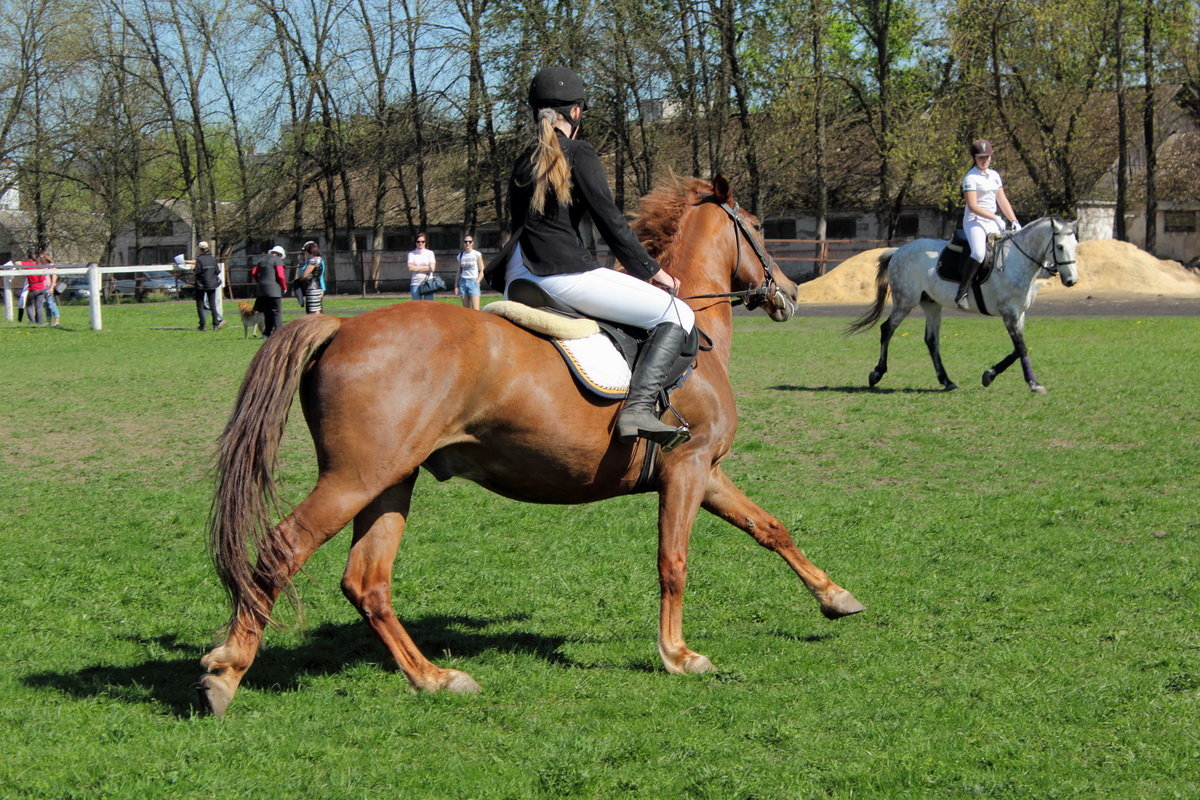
(1029, 566)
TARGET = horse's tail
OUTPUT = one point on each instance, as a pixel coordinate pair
(872, 314)
(246, 497)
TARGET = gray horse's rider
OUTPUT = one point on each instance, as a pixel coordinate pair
(983, 191)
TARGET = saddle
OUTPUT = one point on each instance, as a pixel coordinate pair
(578, 351)
(953, 260)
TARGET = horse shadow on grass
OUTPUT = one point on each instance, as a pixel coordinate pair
(853, 389)
(329, 649)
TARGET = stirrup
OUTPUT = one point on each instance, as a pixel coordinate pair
(666, 436)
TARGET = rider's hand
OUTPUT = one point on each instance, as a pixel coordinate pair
(665, 280)
(1014, 226)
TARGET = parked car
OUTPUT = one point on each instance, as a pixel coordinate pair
(162, 283)
(77, 288)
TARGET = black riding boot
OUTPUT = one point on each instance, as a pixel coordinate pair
(969, 270)
(650, 373)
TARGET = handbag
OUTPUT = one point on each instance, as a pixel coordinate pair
(434, 284)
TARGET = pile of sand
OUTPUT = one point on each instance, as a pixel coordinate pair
(1107, 268)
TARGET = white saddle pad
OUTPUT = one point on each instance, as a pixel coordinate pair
(597, 364)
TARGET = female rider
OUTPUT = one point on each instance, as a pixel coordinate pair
(554, 183)
(983, 191)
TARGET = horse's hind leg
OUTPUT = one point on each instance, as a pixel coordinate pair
(312, 523)
(886, 330)
(726, 501)
(367, 584)
(933, 329)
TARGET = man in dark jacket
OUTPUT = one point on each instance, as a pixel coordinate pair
(270, 287)
(208, 278)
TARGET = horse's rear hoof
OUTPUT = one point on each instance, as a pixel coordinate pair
(874, 378)
(988, 377)
(950, 387)
(1036, 387)
(214, 695)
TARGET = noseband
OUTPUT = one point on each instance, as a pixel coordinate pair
(768, 289)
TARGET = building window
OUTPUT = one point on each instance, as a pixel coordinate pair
(779, 229)
(907, 225)
(1179, 221)
(158, 227)
(841, 228)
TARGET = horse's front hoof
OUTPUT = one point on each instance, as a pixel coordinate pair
(874, 378)
(988, 377)
(949, 387)
(1036, 387)
(685, 662)
(458, 682)
(841, 604)
(215, 696)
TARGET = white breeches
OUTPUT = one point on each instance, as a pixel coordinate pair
(977, 231)
(607, 294)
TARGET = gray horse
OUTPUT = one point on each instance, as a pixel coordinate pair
(910, 272)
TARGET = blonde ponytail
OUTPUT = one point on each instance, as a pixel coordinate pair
(550, 167)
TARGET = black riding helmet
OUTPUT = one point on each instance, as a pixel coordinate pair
(558, 88)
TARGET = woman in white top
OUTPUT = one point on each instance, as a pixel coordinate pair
(421, 265)
(983, 191)
(470, 269)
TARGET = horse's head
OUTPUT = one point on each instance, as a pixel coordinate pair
(1062, 251)
(701, 236)
(755, 272)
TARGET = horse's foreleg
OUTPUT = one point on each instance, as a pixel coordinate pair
(367, 584)
(1016, 332)
(885, 337)
(678, 504)
(933, 328)
(321, 515)
(728, 502)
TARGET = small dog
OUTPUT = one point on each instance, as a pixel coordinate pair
(252, 321)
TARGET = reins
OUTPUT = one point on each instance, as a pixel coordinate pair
(1051, 250)
(751, 297)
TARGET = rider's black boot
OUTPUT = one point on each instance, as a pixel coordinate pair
(969, 270)
(650, 373)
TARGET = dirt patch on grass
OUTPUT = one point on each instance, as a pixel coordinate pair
(1107, 269)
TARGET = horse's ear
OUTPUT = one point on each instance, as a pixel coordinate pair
(721, 189)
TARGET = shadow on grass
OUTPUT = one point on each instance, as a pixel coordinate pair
(853, 389)
(326, 650)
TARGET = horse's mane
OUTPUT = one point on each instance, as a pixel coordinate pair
(662, 213)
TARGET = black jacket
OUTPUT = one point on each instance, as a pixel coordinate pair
(550, 242)
(208, 272)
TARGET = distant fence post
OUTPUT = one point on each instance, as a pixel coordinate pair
(8, 298)
(93, 273)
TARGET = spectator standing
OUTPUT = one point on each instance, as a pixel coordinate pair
(270, 287)
(35, 285)
(23, 298)
(208, 283)
(52, 283)
(310, 280)
(421, 265)
(470, 268)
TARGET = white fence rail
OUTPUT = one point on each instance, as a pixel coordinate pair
(93, 273)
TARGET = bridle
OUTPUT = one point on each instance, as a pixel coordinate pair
(769, 288)
(1051, 249)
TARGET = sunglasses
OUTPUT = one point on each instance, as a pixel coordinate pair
(468, 241)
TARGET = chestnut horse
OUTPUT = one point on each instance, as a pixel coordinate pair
(377, 410)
